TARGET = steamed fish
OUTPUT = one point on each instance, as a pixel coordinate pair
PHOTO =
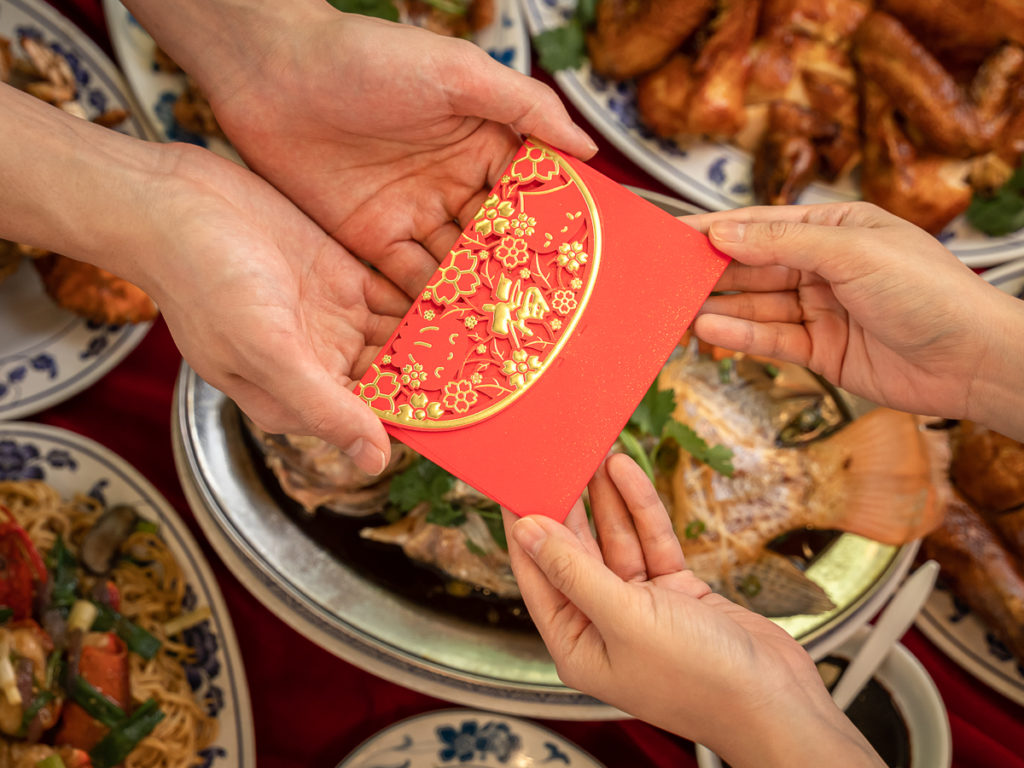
(880, 476)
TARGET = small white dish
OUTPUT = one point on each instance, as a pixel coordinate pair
(48, 354)
(466, 737)
(914, 694)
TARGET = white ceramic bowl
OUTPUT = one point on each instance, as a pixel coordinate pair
(915, 696)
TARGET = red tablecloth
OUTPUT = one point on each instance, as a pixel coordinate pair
(311, 708)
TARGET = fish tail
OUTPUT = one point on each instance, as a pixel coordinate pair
(883, 477)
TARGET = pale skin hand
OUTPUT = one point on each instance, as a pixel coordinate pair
(388, 136)
(872, 303)
(262, 304)
(626, 622)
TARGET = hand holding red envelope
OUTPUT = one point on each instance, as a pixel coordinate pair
(528, 350)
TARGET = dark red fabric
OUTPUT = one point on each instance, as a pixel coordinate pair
(313, 709)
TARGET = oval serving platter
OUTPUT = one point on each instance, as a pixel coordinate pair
(360, 620)
(505, 39)
(716, 175)
(946, 621)
(74, 464)
(48, 354)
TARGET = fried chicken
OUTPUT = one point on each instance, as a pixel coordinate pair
(93, 293)
(631, 37)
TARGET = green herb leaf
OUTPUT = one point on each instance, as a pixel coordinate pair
(1002, 212)
(719, 458)
(475, 548)
(443, 513)
(563, 47)
(51, 761)
(423, 481)
(694, 529)
(495, 525)
(382, 9)
(654, 411)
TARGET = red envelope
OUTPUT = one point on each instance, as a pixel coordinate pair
(529, 349)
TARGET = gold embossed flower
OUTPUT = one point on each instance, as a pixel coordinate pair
(512, 252)
(523, 225)
(471, 321)
(386, 360)
(481, 349)
(459, 395)
(576, 283)
(572, 256)
(476, 378)
(564, 302)
(419, 408)
(457, 278)
(524, 273)
(380, 393)
(493, 216)
(413, 375)
(428, 315)
(521, 369)
(556, 324)
(537, 163)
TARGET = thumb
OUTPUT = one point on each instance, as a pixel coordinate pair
(575, 573)
(495, 92)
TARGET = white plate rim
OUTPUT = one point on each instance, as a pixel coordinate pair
(122, 340)
(651, 155)
(190, 557)
(448, 713)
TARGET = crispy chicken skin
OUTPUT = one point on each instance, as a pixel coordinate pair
(961, 33)
(93, 293)
(786, 160)
(831, 21)
(632, 37)
(926, 189)
(988, 468)
(981, 571)
(662, 97)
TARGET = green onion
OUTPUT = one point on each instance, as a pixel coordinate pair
(53, 761)
(636, 451)
(95, 702)
(54, 662)
(188, 620)
(8, 681)
(123, 738)
(694, 529)
(725, 369)
(63, 572)
(83, 614)
(135, 637)
(771, 370)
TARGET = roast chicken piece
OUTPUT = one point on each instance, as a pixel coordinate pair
(926, 189)
(981, 571)
(988, 468)
(961, 33)
(93, 293)
(632, 37)
(831, 21)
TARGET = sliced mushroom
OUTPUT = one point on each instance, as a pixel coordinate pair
(104, 539)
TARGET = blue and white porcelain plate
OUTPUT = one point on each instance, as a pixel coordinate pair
(946, 621)
(74, 464)
(715, 175)
(505, 39)
(48, 354)
(469, 739)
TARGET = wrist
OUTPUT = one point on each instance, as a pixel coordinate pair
(996, 395)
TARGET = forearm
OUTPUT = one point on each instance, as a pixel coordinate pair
(69, 186)
(996, 397)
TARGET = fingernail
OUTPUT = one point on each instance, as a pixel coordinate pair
(528, 535)
(367, 456)
(727, 231)
(586, 139)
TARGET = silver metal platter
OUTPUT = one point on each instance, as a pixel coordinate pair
(409, 642)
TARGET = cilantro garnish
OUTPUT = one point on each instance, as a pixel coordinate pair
(565, 47)
(653, 419)
(1002, 212)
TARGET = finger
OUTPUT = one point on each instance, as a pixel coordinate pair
(578, 522)
(408, 264)
(571, 570)
(552, 612)
(379, 329)
(780, 307)
(474, 204)
(786, 341)
(383, 297)
(317, 403)
(852, 214)
(495, 92)
(616, 533)
(742, 277)
(439, 242)
(661, 549)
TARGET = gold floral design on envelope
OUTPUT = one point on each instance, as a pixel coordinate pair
(500, 307)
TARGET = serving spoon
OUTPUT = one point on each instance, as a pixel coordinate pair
(890, 626)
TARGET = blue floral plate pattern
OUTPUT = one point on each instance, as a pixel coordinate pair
(48, 354)
(947, 621)
(715, 175)
(74, 464)
(469, 739)
(505, 39)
